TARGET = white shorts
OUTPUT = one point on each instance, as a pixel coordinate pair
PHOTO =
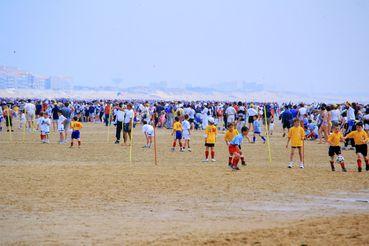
(150, 133)
(186, 135)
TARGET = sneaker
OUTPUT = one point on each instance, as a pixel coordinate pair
(235, 168)
(302, 165)
(344, 170)
(206, 160)
(144, 146)
(290, 165)
(243, 163)
(213, 160)
(181, 150)
(116, 142)
(284, 134)
(359, 169)
(189, 150)
(352, 148)
(344, 148)
(172, 149)
(367, 167)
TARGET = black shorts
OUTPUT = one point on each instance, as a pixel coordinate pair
(362, 149)
(127, 127)
(190, 120)
(209, 144)
(251, 119)
(334, 150)
(286, 125)
(296, 147)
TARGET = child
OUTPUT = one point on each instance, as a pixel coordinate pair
(148, 130)
(210, 139)
(271, 127)
(334, 147)
(177, 132)
(229, 136)
(76, 126)
(296, 135)
(234, 148)
(186, 125)
(361, 139)
(22, 119)
(44, 125)
(8, 116)
(60, 122)
(257, 130)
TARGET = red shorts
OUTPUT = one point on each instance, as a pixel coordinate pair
(233, 149)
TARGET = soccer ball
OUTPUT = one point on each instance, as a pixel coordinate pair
(340, 159)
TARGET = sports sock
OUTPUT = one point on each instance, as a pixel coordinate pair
(212, 154)
(359, 163)
(243, 160)
(230, 160)
(206, 154)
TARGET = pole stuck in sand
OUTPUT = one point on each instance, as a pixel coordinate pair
(109, 118)
(155, 147)
(267, 134)
(131, 139)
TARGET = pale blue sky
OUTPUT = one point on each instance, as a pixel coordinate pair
(318, 44)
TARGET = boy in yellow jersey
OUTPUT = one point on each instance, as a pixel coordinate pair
(228, 137)
(334, 141)
(296, 136)
(361, 139)
(76, 127)
(210, 139)
(177, 132)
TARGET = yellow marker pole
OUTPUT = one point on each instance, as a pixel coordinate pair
(24, 126)
(107, 139)
(155, 147)
(267, 135)
(131, 140)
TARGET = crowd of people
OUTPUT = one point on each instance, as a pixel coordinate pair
(346, 123)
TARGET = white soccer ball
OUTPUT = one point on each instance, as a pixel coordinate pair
(340, 159)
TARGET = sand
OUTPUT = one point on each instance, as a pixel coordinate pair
(51, 194)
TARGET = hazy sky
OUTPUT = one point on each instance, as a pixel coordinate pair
(318, 44)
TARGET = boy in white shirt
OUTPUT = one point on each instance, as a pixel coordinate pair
(60, 122)
(44, 125)
(148, 130)
(186, 134)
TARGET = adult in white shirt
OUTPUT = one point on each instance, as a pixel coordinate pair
(30, 113)
(119, 119)
(335, 115)
(231, 114)
(251, 112)
(302, 111)
(204, 117)
(128, 123)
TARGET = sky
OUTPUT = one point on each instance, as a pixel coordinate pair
(307, 45)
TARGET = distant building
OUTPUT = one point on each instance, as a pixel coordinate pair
(13, 78)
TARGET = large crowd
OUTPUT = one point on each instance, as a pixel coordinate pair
(315, 122)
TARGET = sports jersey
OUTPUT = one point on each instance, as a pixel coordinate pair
(296, 135)
(237, 140)
(76, 126)
(229, 135)
(211, 134)
(177, 126)
(360, 137)
(335, 138)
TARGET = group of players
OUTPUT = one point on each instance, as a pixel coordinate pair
(346, 123)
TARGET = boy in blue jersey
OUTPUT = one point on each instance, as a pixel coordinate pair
(257, 130)
(234, 147)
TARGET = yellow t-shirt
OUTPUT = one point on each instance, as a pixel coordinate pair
(229, 135)
(211, 134)
(177, 126)
(359, 137)
(75, 125)
(335, 138)
(296, 135)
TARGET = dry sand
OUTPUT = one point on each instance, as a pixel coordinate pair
(51, 194)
